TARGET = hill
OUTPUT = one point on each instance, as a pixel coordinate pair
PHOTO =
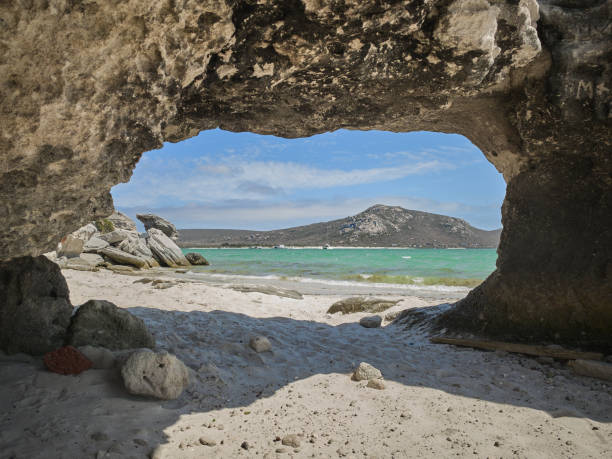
(377, 226)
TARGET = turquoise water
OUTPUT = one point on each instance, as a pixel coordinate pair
(467, 267)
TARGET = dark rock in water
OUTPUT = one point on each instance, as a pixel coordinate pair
(153, 221)
(67, 361)
(101, 323)
(357, 304)
(35, 307)
(196, 259)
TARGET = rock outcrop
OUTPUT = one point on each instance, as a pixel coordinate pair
(153, 221)
(102, 324)
(122, 222)
(528, 82)
(196, 259)
(35, 307)
(160, 375)
(165, 251)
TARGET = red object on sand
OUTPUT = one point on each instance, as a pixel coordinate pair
(67, 360)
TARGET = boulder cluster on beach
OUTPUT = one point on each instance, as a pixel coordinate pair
(115, 243)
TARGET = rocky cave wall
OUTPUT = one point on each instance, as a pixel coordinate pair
(88, 86)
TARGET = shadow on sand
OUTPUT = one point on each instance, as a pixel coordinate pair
(226, 373)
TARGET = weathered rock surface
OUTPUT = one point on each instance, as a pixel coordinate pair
(370, 321)
(84, 262)
(154, 221)
(165, 251)
(115, 236)
(85, 233)
(102, 324)
(160, 375)
(69, 247)
(365, 372)
(122, 221)
(35, 307)
(123, 258)
(137, 246)
(359, 304)
(95, 244)
(527, 82)
(196, 259)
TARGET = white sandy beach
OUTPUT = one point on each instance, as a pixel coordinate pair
(439, 401)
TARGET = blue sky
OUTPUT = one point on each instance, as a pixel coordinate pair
(221, 179)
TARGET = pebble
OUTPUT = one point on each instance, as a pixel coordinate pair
(371, 321)
(291, 440)
(207, 441)
(245, 445)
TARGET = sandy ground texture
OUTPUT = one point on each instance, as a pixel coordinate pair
(438, 400)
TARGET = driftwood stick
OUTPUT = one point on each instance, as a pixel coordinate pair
(529, 349)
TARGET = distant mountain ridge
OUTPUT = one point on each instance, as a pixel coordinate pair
(377, 226)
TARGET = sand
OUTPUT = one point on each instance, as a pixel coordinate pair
(438, 401)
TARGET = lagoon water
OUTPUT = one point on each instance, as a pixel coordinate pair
(441, 270)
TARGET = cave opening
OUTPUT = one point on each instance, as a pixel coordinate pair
(343, 189)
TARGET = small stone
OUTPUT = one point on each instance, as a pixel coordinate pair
(67, 360)
(376, 384)
(370, 321)
(497, 444)
(207, 441)
(260, 344)
(365, 372)
(245, 445)
(291, 440)
(281, 450)
(99, 436)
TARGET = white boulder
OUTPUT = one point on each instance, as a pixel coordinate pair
(160, 375)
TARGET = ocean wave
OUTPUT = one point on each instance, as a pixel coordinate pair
(419, 284)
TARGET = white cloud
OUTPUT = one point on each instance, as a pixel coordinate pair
(202, 181)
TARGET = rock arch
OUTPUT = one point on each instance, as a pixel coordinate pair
(88, 86)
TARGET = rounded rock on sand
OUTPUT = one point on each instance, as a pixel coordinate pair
(66, 360)
(260, 344)
(366, 372)
(371, 321)
(160, 375)
(376, 384)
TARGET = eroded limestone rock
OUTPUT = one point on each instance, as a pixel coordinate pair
(528, 83)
